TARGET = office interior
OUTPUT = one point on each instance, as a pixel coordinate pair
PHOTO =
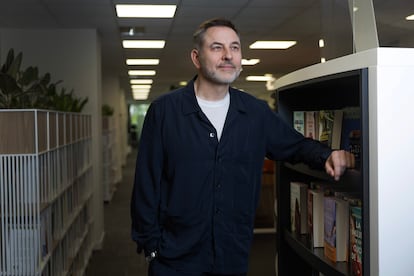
(81, 44)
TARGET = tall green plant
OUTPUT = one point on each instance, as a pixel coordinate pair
(26, 89)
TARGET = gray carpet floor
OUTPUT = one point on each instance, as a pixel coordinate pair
(118, 256)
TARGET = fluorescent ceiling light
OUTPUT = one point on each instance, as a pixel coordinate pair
(141, 90)
(142, 61)
(141, 86)
(272, 44)
(252, 61)
(139, 97)
(147, 11)
(410, 17)
(259, 78)
(141, 72)
(141, 81)
(147, 44)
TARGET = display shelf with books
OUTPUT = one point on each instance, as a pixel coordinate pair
(325, 98)
(45, 191)
(373, 88)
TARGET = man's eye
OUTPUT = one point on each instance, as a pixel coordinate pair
(235, 48)
(216, 47)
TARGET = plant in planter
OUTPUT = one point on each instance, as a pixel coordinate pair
(26, 89)
(107, 110)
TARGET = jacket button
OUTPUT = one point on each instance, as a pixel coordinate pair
(212, 134)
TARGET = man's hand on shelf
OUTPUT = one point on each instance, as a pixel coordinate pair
(338, 162)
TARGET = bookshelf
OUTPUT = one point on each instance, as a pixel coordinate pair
(108, 158)
(379, 82)
(45, 192)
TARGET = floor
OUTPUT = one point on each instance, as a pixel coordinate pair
(118, 256)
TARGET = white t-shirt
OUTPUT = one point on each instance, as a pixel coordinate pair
(216, 112)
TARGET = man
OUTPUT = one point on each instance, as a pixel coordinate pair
(199, 164)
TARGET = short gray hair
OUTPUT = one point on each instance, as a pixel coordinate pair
(198, 36)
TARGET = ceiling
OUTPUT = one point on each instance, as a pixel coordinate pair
(305, 21)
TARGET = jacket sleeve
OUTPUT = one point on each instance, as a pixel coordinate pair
(146, 191)
(284, 143)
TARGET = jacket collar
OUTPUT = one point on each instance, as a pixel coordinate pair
(190, 105)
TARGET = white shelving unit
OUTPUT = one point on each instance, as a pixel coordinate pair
(390, 151)
(108, 158)
(45, 192)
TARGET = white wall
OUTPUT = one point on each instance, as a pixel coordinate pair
(73, 56)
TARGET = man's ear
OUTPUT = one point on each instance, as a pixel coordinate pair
(195, 58)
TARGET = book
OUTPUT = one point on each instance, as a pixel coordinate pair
(351, 132)
(355, 240)
(311, 124)
(298, 207)
(315, 217)
(336, 229)
(22, 250)
(330, 127)
(299, 121)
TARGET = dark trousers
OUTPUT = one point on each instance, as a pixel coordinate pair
(157, 268)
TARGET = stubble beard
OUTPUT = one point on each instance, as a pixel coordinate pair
(217, 78)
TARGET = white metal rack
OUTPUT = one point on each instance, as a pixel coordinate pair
(45, 192)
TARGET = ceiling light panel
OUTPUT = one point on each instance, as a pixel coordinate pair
(141, 81)
(142, 61)
(259, 78)
(141, 72)
(143, 44)
(145, 11)
(252, 61)
(146, 86)
(410, 17)
(272, 44)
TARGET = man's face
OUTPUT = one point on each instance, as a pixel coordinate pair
(219, 60)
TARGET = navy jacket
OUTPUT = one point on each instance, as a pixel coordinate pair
(195, 198)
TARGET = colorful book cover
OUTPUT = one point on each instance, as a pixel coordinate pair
(315, 217)
(355, 240)
(330, 127)
(310, 124)
(298, 207)
(351, 132)
(336, 229)
(299, 121)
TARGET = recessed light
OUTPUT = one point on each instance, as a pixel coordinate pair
(252, 61)
(146, 11)
(142, 61)
(141, 72)
(321, 43)
(410, 17)
(272, 44)
(147, 44)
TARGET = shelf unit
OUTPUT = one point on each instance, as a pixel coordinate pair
(380, 82)
(108, 158)
(45, 192)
